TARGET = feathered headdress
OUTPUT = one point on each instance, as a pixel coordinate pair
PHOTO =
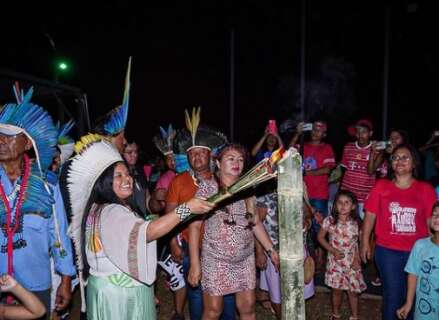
(197, 136)
(32, 120)
(115, 120)
(164, 141)
(65, 142)
(37, 125)
(206, 137)
(94, 155)
(192, 123)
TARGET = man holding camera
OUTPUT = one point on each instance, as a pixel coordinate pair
(318, 160)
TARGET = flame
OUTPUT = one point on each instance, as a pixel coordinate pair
(276, 156)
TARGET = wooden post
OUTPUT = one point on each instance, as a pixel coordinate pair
(290, 197)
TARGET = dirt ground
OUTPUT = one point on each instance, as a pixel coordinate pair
(317, 307)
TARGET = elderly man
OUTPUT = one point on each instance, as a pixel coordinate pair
(32, 216)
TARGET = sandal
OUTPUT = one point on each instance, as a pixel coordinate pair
(335, 316)
(376, 282)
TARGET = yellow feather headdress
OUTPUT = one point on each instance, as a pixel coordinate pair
(193, 122)
(196, 135)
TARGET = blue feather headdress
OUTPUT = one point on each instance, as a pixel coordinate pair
(116, 119)
(36, 123)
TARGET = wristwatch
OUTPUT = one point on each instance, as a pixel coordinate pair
(183, 211)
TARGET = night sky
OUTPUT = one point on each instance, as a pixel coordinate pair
(181, 59)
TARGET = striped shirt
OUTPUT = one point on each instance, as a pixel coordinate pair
(356, 179)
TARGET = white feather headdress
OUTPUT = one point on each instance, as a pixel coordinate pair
(164, 141)
(94, 155)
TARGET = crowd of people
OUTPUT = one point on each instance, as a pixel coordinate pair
(119, 220)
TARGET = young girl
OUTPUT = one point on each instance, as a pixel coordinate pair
(343, 269)
(423, 275)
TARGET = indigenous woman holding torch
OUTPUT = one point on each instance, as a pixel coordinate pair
(114, 245)
(227, 264)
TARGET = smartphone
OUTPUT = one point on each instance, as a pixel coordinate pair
(307, 127)
(272, 127)
(381, 145)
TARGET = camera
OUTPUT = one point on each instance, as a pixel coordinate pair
(381, 145)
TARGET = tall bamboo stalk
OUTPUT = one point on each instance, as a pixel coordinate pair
(290, 197)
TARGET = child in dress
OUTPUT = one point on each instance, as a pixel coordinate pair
(343, 268)
(423, 275)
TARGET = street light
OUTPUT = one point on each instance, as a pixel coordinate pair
(63, 66)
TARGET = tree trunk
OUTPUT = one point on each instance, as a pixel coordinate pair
(290, 197)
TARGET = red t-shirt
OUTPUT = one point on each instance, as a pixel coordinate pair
(401, 214)
(317, 156)
(356, 179)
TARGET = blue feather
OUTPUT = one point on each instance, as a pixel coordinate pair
(163, 133)
(37, 124)
(118, 117)
(36, 198)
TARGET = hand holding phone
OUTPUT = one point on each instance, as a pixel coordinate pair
(307, 127)
(272, 127)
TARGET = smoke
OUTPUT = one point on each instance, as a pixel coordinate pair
(329, 95)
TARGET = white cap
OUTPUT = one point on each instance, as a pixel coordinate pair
(10, 130)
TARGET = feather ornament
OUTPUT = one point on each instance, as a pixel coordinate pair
(164, 141)
(37, 125)
(86, 141)
(193, 122)
(94, 155)
(117, 118)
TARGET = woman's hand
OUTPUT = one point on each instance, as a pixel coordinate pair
(194, 275)
(7, 283)
(299, 127)
(365, 252)
(318, 216)
(403, 312)
(275, 259)
(261, 260)
(199, 206)
(356, 263)
(338, 255)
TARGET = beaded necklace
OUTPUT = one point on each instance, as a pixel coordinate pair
(13, 225)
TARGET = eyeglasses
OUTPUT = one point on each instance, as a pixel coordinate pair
(402, 158)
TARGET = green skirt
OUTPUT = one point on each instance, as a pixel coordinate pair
(108, 299)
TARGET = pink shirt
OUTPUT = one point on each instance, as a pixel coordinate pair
(317, 156)
(165, 180)
(401, 214)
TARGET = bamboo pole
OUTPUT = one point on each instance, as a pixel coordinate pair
(290, 197)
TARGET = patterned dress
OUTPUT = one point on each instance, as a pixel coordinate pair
(339, 273)
(227, 254)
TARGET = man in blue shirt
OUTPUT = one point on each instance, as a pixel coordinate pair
(32, 216)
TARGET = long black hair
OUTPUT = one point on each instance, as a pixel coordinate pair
(102, 193)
